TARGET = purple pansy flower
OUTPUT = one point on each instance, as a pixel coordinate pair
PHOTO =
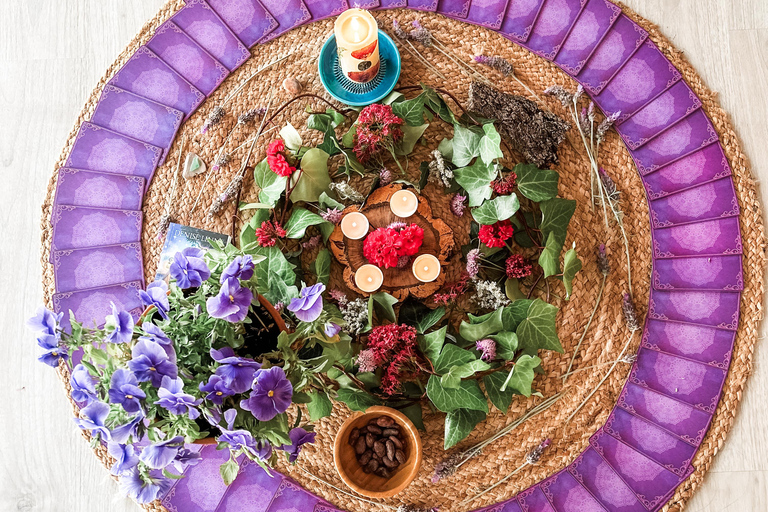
(159, 455)
(150, 363)
(243, 440)
(83, 387)
(299, 437)
(237, 372)
(122, 433)
(134, 486)
(45, 321)
(172, 397)
(232, 302)
(125, 390)
(185, 458)
(240, 268)
(309, 305)
(271, 395)
(216, 389)
(156, 295)
(53, 351)
(92, 417)
(331, 329)
(123, 326)
(189, 269)
(125, 457)
(154, 333)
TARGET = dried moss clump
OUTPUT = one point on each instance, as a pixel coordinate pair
(533, 132)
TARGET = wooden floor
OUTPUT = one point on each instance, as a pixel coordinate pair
(52, 52)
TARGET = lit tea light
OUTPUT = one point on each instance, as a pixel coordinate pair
(369, 278)
(354, 225)
(404, 203)
(426, 268)
(357, 43)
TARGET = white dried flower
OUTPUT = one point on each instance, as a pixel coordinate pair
(489, 295)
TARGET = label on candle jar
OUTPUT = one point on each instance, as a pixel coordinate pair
(357, 45)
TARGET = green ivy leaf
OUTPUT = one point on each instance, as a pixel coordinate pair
(329, 203)
(382, 303)
(419, 316)
(476, 181)
(348, 139)
(415, 414)
(452, 379)
(571, 265)
(300, 220)
(538, 330)
(435, 101)
(229, 471)
(451, 356)
(467, 396)
(432, 343)
(270, 185)
(411, 111)
(357, 399)
(521, 377)
(515, 313)
(314, 179)
(500, 208)
(459, 424)
(446, 149)
(536, 184)
(506, 344)
(319, 405)
(392, 98)
(493, 383)
(556, 214)
(549, 259)
(466, 144)
(322, 266)
(512, 289)
(490, 144)
(474, 332)
(275, 276)
(411, 135)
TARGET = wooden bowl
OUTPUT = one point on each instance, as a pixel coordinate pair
(368, 484)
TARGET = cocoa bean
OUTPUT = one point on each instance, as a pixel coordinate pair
(379, 448)
(369, 440)
(390, 448)
(397, 442)
(389, 462)
(372, 465)
(391, 431)
(353, 437)
(373, 429)
(360, 446)
(385, 421)
(400, 456)
(383, 472)
(365, 457)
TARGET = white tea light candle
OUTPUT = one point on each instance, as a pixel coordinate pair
(426, 268)
(404, 203)
(357, 45)
(369, 278)
(354, 225)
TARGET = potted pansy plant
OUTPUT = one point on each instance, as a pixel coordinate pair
(210, 361)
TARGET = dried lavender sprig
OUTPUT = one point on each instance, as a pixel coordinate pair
(630, 313)
(250, 115)
(165, 219)
(606, 125)
(603, 264)
(500, 64)
(214, 118)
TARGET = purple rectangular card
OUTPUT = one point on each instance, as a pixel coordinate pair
(619, 44)
(679, 140)
(555, 21)
(77, 227)
(645, 76)
(80, 269)
(454, 8)
(91, 307)
(566, 494)
(187, 58)
(718, 273)
(321, 9)
(688, 423)
(713, 200)
(147, 75)
(652, 441)
(202, 488)
(389, 4)
(145, 120)
(599, 478)
(717, 309)
(694, 383)
(291, 497)
(487, 13)
(289, 15)
(519, 19)
(99, 149)
(76, 187)
(665, 110)
(708, 238)
(253, 488)
(650, 481)
(534, 500)
(422, 5)
(248, 19)
(703, 166)
(593, 24)
(701, 343)
(201, 23)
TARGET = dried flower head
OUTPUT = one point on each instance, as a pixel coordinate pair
(221, 161)
(630, 313)
(602, 260)
(473, 262)
(559, 92)
(251, 114)
(355, 314)
(609, 185)
(366, 361)
(518, 267)
(629, 358)
(230, 192)
(457, 204)
(449, 465)
(498, 63)
(162, 228)
(420, 34)
(311, 243)
(413, 508)
(489, 295)
(385, 177)
(332, 215)
(606, 125)
(339, 296)
(214, 118)
(346, 193)
(505, 185)
(487, 348)
(439, 172)
(378, 129)
(398, 30)
(534, 455)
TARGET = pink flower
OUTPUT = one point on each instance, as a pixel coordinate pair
(496, 234)
(488, 348)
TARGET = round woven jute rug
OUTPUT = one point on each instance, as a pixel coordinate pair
(315, 470)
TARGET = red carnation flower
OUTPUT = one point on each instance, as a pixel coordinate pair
(268, 233)
(276, 158)
(518, 267)
(380, 248)
(409, 240)
(378, 128)
(496, 234)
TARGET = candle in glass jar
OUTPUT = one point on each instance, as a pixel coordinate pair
(354, 225)
(369, 278)
(357, 45)
(426, 268)
(404, 203)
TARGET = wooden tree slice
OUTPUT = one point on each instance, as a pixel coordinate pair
(399, 282)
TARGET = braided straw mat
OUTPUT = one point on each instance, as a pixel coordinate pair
(608, 332)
